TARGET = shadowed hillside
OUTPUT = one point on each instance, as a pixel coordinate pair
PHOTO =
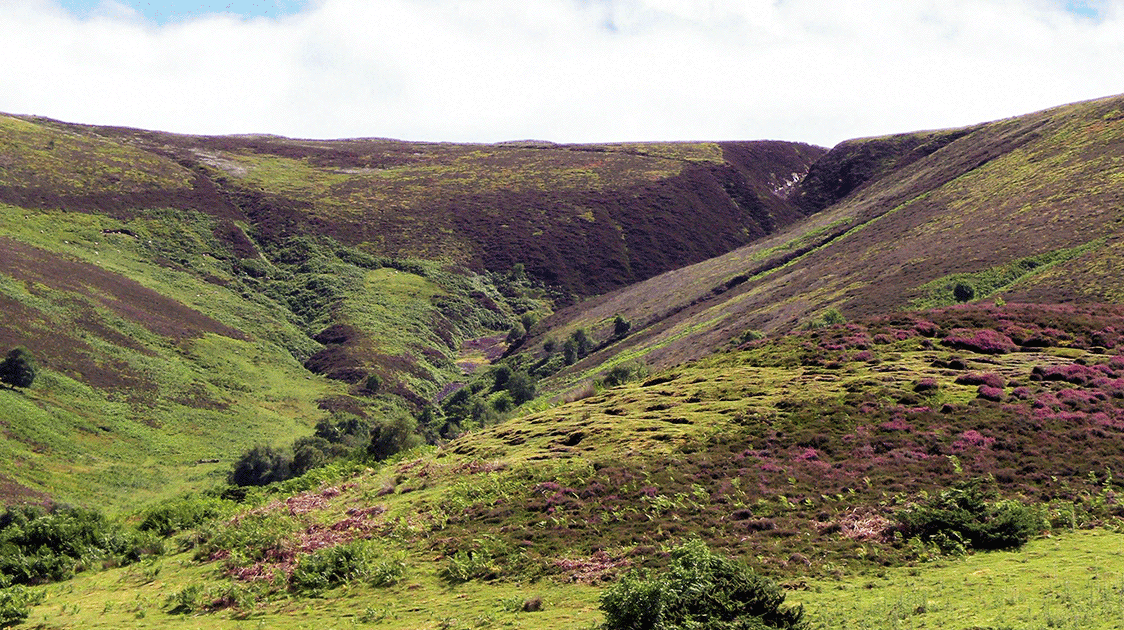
(584, 218)
(1024, 209)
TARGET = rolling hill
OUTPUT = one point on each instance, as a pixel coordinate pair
(1026, 209)
(186, 295)
(916, 359)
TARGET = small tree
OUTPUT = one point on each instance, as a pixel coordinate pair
(963, 292)
(582, 343)
(18, 369)
(260, 466)
(621, 326)
(570, 351)
(393, 435)
(521, 386)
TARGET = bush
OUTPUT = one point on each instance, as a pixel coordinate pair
(261, 465)
(373, 384)
(700, 590)
(39, 546)
(971, 515)
(176, 515)
(18, 369)
(621, 326)
(623, 373)
(830, 317)
(354, 561)
(393, 435)
(521, 386)
(16, 603)
(964, 292)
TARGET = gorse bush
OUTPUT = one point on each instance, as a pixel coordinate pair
(970, 516)
(700, 590)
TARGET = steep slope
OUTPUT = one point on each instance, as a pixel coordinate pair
(1027, 209)
(585, 218)
(185, 296)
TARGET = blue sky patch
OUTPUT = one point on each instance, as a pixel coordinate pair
(1084, 8)
(179, 10)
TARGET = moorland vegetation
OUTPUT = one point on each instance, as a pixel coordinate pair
(355, 382)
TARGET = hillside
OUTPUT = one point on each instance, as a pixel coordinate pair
(804, 455)
(583, 218)
(1025, 209)
(186, 296)
(913, 372)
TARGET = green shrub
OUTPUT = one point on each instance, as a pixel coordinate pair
(16, 603)
(18, 368)
(360, 560)
(39, 546)
(464, 566)
(621, 326)
(970, 516)
(261, 465)
(183, 513)
(963, 292)
(521, 386)
(623, 373)
(500, 376)
(830, 317)
(392, 436)
(248, 539)
(700, 590)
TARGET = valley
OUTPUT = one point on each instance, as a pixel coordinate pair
(486, 383)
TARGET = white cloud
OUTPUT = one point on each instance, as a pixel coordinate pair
(565, 70)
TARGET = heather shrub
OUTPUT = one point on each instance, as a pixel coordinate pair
(987, 392)
(984, 341)
(700, 590)
(977, 378)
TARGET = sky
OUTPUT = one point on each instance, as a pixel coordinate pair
(816, 71)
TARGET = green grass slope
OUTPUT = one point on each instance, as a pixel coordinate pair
(186, 296)
(163, 355)
(1026, 209)
(799, 455)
